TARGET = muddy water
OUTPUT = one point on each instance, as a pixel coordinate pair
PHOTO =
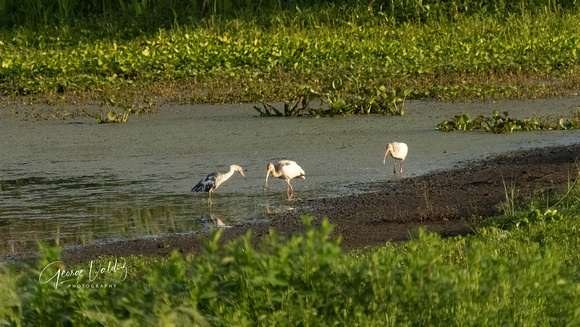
(74, 181)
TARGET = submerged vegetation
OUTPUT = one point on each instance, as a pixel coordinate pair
(521, 268)
(501, 124)
(224, 51)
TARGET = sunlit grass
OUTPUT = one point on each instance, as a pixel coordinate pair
(273, 57)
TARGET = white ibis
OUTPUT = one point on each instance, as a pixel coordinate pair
(287, 170)
(212, 181)
(398, 151)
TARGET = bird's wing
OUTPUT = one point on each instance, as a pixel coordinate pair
(400, 150)
(292, 170)
(285, 163)
(300, 172)
(206, 184)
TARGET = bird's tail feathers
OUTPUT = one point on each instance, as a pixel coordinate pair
(198, 188)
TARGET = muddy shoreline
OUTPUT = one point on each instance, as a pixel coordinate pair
(446, 202)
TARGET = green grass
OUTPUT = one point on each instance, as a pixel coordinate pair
(521, 268)
(345, 49)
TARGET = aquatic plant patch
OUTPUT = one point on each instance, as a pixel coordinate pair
(114, 116)
(502, 124)
(234, 59)
(331, 103)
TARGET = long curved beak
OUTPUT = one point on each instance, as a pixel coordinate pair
(385, 158)
(243, 175)
(267, 174)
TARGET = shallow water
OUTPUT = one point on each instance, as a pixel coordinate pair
(76, 182)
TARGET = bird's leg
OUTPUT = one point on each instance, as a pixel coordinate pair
(291, 191)
(401, 166)
(209, 198)
(395, 169)
(288, 191)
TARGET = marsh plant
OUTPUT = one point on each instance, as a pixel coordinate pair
(503, 123)
(112, 116)
(291, 109)
(332, 103)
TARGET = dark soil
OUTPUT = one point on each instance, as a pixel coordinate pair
(448, 202)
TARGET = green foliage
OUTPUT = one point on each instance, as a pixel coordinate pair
(364, 101)
(502, 124)
(43, 302)
(518, 269)
(470, 51)
(461, 123)
(112, 116)
(10, 301)
(537, 217)
(331, 103)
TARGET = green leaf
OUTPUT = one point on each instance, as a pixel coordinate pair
(112, 115)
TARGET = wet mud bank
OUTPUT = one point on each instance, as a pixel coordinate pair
(446, 202)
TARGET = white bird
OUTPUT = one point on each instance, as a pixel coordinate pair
(398, 151)
(212, 181)
(287, 170)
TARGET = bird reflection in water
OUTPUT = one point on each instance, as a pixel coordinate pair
(216, 222)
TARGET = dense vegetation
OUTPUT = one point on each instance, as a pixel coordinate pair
(222, 50)
(501, 124)
(153, 14)
(520, 268)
